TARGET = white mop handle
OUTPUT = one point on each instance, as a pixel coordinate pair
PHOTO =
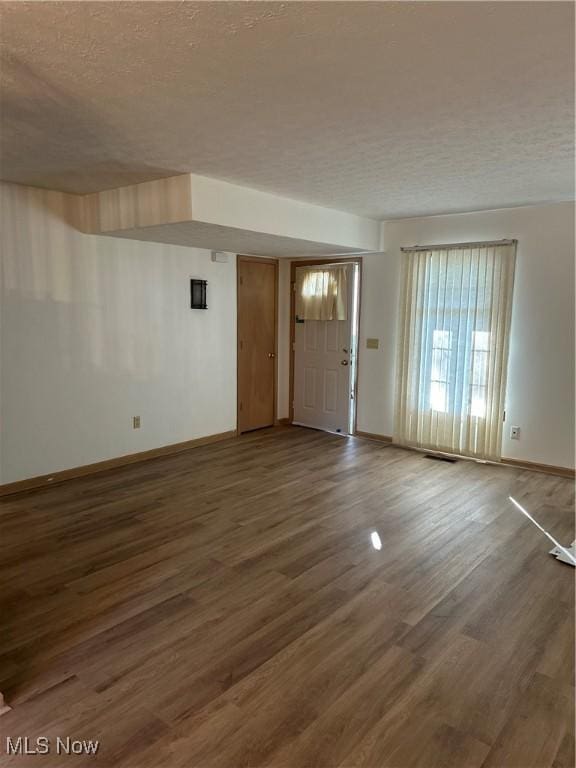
(545, 532)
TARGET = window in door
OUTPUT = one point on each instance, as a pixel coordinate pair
(440, 374)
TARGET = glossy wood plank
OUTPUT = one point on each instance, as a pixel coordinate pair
(225, 607)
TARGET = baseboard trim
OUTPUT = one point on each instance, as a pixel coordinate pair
(42, 481)
(532, 466)
(284, 422)
(373, 436)
(62, 476)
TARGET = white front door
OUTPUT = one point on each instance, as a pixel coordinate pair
(322, 367)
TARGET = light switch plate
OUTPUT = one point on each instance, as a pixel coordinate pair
(372, 343)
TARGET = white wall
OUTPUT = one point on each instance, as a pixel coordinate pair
(96, 330)
(540, 392)
(225, 204)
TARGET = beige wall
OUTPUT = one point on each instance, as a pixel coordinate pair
(95, 330)
(540, 392)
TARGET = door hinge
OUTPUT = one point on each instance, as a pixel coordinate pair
(240, 405)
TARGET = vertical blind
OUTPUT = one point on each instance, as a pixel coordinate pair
(453, 348)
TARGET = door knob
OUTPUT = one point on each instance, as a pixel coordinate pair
(343, 362)
(271, 354)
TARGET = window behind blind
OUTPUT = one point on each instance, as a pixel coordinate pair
(453, 348)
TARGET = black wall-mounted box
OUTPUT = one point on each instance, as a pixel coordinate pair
(198, 294)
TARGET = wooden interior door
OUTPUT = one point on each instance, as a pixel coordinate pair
(257, 311)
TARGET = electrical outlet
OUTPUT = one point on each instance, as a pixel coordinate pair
(514, 433)
(136, 422)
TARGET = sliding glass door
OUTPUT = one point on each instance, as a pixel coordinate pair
(453, 352)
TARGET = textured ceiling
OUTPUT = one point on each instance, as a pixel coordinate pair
(381, 109)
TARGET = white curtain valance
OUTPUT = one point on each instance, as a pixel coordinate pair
(453, 348)
(321, 293)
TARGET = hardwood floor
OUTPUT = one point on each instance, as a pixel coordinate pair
(226, 607)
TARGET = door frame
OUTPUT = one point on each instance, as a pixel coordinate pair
(260, 260)
(313, 263)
